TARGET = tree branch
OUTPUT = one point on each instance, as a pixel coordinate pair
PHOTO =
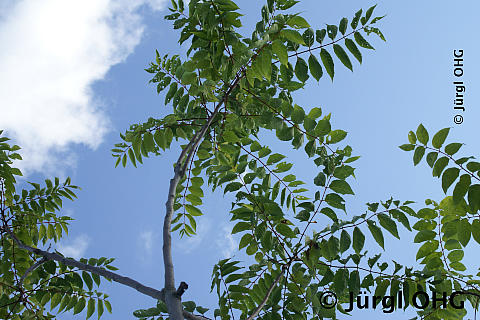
(32, 267)
(191, 316)
(173, 302)
(267, 296)
(151, 292)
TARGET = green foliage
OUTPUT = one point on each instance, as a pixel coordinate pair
(33, 210)
(229, 90)
(446, 228)
(293, 231)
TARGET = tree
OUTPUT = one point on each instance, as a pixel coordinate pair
(228, 92)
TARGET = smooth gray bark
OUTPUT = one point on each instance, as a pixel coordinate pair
(174, 302)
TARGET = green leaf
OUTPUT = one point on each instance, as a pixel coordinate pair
(148, 140)
(202, 310)
(315, 67)
(352, 47)
(241, 226)
(90, 307)
(342, 56)
(335, 201)
(418, 155)
(412, 138)
(50, 266)
(171, 92)
(473, 166)
(407, 147)
(474, 197)
(265, 63)
(426, 213)
(323, 127)
(298, 22)
(451, 244)
(309, 37)
(345, 241)
(424, 235)
(108, 306)
(431, 157)
(476, 230)
(336, 136)
(427, 248)
(361, 41)
(189, 306)
(343, 172)
(341, 186)
(285, 231)
(327, 62)
(285, 133)
(193, 210)
(320, 179)
(342, 27)
(57, 297)
(332, 31)
(88, 280)
(354, 282)
(452, 148)
(298, 114)
(301, 70)
(320, 35)
(315, 113)
(79, 306)
(455, 255)
(440, 164)
(280, 50)
(340, 280)
(458, 266)
(448, 177)
(461, 188)
(439, 138)
(354, 22)
(189, 78)
(252, 249)
(464, 232)
(230, 136)
(274, 158)
(402, 218)
(131, 155)
(245, 240)
(387, 223)
(369, 12)
(159, 138)
(293, 36)
(422, 134)
(358, 240)
(376, 233)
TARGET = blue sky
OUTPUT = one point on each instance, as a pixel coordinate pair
(72, 78)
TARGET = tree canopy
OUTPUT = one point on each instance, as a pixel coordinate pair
(226, 94)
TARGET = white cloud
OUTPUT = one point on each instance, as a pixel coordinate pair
(226, 243)
(52, 52)
(76, 249)
(146, 242)
(68, 212)
(188, 244)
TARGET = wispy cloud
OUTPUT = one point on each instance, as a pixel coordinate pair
(76, 248)
(68, 212)
(188, 244)
(146, 241)
(225, 242)
(216, 237)
(52, 52)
